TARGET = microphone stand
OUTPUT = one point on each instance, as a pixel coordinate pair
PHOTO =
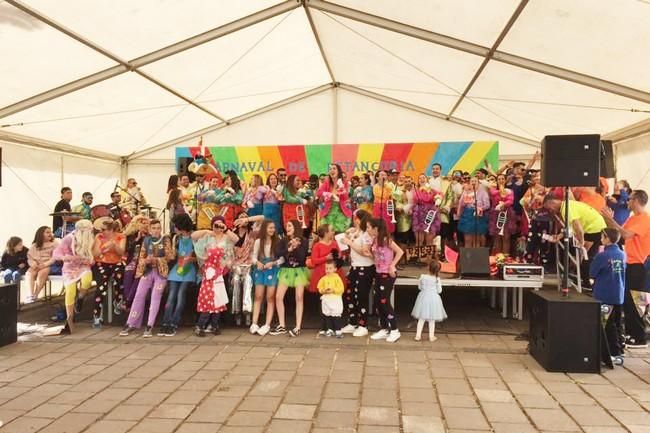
(565, 275)
(476, 218)
(137, 202)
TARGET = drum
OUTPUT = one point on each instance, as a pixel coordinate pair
(206, 213)
(101, 210)
(125, 217)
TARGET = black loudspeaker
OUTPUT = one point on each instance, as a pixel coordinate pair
(565, 332)
(181, 165)
(607, 167)
(8, 314)
(474, 262)
(571, 160)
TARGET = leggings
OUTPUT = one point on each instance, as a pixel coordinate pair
(331, 322)
(384, 285)
(106, 271)
(86, 280)
(356, 294)
(155, 283)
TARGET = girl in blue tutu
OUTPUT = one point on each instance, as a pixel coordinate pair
(428, 305)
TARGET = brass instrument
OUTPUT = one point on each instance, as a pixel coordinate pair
(300, 215)
(428, 219)
(390, 210)
(502, 218)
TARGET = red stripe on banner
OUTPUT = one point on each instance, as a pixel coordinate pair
(395, 155)
(294, 160)
(346, 155)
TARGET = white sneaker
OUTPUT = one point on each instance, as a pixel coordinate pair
(263, 330)
(361, 331)
(382, 334)
(253, 329)
(29, 299)
(329, 333)
(322, 332)
(348, 329)
(393, 336)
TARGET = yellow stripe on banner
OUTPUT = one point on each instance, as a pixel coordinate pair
(249, 155)
(474, 156)
(368, 157)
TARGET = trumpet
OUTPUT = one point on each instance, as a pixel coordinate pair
(300, 215)
(501, 221)
(428, 219)
(390, 210)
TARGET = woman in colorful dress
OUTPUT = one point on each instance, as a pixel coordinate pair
(335, 208)
(293, 273)
(382, 193)
(108, 250)
(223, 239)
(76, 252)
(362, 196)
(41, 263)
(295, 196)
(229, 198)
(535, 223)
(254, 196)
(271, 206)
(472, 207)
(427, 201)
(501, 201)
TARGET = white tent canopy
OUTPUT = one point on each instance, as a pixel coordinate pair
(124, 82)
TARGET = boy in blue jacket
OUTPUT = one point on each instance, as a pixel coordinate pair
(608, 271)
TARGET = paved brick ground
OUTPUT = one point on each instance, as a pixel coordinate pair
(97, 382)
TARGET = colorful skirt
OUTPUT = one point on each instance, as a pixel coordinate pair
(336, 219)
(471, 224)
(257, 209)
(265, 277)
(271, 211)
(293, 277)
(379, 211)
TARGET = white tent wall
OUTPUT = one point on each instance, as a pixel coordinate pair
(632, 158)
(31, 184)
(334, 116)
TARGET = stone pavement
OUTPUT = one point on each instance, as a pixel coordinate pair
(97, 382)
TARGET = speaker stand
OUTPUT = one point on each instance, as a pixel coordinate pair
(565, 274)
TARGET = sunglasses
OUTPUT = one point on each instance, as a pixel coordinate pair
(218, 226)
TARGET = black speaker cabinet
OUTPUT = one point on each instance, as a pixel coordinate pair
(565, 332)
(8, 313)
(571, 160)
(474, 262)
(607, 167)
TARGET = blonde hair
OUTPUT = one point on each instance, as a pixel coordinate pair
(133, 225)
(83, 239)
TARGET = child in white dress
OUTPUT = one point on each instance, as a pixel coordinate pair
(428, 305)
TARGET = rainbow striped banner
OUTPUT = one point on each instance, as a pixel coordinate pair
(305, 159)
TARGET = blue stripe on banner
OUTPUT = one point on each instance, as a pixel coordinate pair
(448, 154)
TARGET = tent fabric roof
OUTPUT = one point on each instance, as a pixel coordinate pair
(120, 77)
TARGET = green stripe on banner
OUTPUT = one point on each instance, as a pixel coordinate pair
(493, 157)
(318, 157)
(226, 158)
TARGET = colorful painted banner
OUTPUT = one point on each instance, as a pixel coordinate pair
(303, 160)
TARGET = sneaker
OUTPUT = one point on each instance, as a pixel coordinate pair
(295, 332)
(361, 331)
(78, 305)
(162, 332)
(263, 330)
(432, 338)
(171, 331)
(216, 331)
(417, 338)
(393, 336)
(199, 332)
(126, 330)
(631, 343)
(254, 328)
(382, 334)
(97, 323)
(339, 334)
(322, 332)
(329, 333)
(117, 308)
(278, 330)
(348, 329)
(148, 332)
(29, 299)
